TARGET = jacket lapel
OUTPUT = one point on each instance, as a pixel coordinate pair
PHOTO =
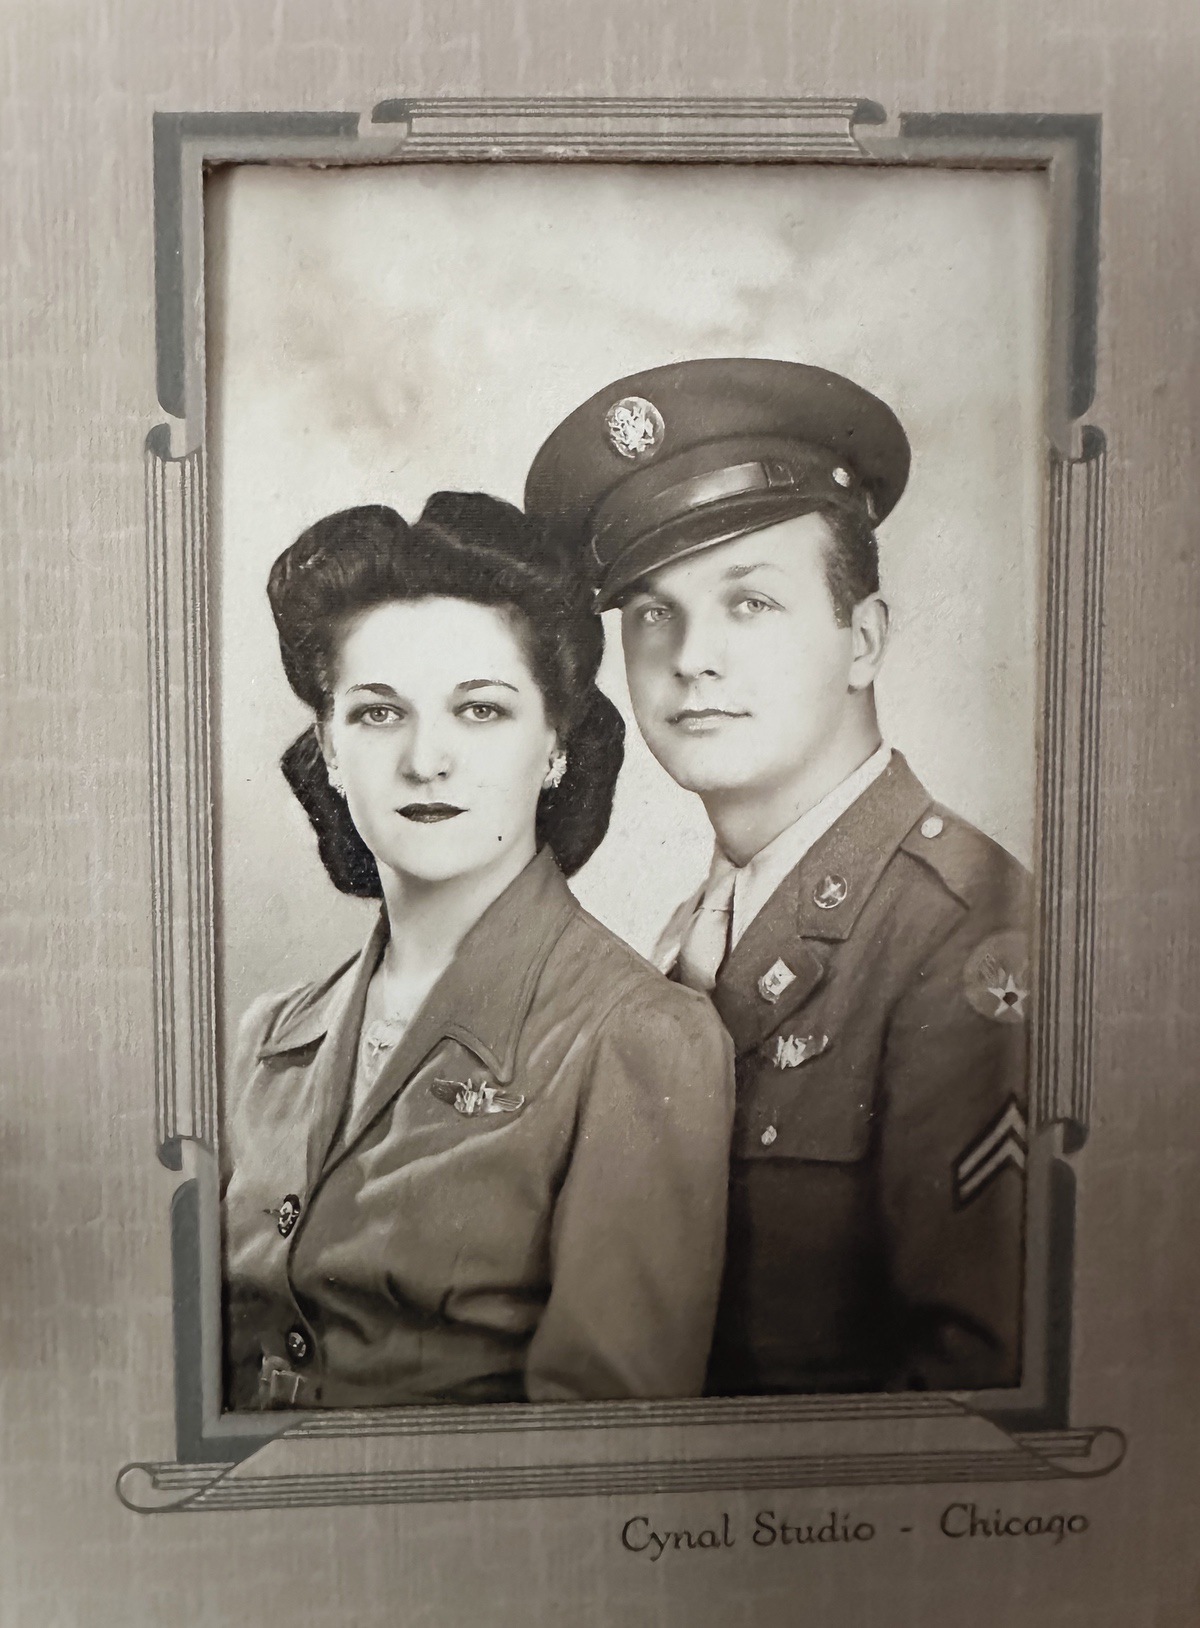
(329, 1018)
(481, 1000)
(769, 957)
(781, 959)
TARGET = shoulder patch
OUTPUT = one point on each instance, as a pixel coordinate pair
(996, 978)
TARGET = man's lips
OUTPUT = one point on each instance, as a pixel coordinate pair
(428, 813)
(698, 717)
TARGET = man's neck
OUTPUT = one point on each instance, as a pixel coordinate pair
(746, 818)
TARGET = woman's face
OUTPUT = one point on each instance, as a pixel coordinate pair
(439, 735)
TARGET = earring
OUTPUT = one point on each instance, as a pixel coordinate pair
(335, 780)
(554, 774)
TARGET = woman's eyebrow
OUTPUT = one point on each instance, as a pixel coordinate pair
(487, 684)
(372, 689)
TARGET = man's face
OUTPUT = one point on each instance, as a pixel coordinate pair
(740, 676)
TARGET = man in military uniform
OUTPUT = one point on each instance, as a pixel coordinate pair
(866, 948)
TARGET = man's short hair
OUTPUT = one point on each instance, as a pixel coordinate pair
(851, 560)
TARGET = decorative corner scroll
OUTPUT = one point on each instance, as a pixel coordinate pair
(1075, 139)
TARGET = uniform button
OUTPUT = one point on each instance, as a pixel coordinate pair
(933, 826)
(768, 1136)
(298, 1347)
(830, 892)
(287, 1215)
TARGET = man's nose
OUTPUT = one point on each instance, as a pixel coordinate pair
(700, 652)
(427, 756)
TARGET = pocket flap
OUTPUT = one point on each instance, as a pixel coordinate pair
(802, 1110)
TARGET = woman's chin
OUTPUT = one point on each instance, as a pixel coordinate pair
(440, 857)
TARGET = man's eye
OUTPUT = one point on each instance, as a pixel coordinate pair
(752, 605)
(651, 615)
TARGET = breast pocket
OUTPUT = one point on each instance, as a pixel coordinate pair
(801, 1097)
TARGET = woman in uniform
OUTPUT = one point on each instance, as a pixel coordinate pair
(486, 1159)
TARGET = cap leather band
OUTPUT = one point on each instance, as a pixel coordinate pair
(715, 486)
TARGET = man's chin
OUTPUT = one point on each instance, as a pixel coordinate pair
(706, 767)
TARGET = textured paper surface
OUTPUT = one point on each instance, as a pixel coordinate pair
(85, 1322)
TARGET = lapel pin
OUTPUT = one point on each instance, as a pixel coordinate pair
(775, 980)
(793, 1049)
(830, 891)
(471, 1098)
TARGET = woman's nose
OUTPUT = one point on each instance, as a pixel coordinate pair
(427, 757)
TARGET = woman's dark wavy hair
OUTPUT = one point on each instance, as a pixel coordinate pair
(466, 545)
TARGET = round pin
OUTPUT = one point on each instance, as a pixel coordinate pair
(842, 476)
(830, 891)
(933, 826)
(768, 1136)
(635, 427)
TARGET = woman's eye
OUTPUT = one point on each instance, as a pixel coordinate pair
(377, 716)
(483, 712)
(652, 615)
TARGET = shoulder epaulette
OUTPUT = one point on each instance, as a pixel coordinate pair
(969, 863)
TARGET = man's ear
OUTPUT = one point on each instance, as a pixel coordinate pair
(869, 621)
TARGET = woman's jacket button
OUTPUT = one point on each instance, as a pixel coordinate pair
(299, 1349)
(287, 1214)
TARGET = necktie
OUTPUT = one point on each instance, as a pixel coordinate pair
(706, 940)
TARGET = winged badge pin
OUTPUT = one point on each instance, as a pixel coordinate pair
(471, 1097)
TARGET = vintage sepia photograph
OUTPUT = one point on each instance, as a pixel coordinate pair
(626, 681)
(600, 774)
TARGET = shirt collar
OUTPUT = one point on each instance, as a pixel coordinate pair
(483, 996)
(758, 878)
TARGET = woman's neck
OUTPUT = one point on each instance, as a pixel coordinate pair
(428, 920)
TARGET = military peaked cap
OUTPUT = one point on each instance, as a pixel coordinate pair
(664, 463)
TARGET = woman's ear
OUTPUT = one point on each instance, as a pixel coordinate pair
(321, 730)
(869, 622)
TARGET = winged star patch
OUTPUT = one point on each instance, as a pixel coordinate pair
(1003, 1143)
(996, 978)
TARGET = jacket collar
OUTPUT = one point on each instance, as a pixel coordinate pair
(793, 929)
(483, 997)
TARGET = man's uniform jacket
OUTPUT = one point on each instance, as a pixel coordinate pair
(531, 1202)
(877, 1004)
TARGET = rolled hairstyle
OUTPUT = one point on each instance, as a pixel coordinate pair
(469, 546)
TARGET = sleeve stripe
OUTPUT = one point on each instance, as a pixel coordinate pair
(1010, 1125)
(1009, 1152)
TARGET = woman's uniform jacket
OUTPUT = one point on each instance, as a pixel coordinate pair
(529, 1204)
